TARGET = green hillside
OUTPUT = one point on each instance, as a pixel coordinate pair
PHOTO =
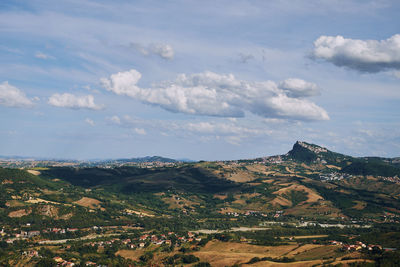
(371, 168)
(311, 192)
(133, 179)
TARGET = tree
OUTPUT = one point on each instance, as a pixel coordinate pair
(46, 262)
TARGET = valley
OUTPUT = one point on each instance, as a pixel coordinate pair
(309, 207)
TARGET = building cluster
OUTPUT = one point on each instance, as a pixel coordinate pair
(23, 234)
(394, 179)
(169, 239)
(59, 230)
(273, 160)
(252, 213)
(147, 239)
(61, 262)
(358, 245)
(313, 148)
(334, 176)
(145, 165)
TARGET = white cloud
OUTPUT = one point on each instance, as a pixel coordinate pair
(274, 121)
(114, 119)
(90, 122)
(219, 129)
(164, 51)
(123, 83)
(67, 100)
(43, 55)
(299, 88)
(11, 96)
(365, 56)
(140, 131)
(219, 95)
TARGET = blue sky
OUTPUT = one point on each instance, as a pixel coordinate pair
(198, 79)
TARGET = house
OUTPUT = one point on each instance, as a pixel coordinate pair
(31, 253)
(126, 241)
(361, 244)
(372, 247)
(143, 237)
(33, 233)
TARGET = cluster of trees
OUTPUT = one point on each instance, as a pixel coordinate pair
(371, 168)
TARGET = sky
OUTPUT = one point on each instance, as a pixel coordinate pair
(202, 80)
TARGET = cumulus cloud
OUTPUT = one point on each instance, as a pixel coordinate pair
(362, 55)
(299, 88)
(11, 96)
(67, 100)
(164, 51)
(219, 95)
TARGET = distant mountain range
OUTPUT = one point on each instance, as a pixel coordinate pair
(135, 160)
(143, 159)
(301, 152)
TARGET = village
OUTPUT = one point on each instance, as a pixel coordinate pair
(169, 241)
(100, 238)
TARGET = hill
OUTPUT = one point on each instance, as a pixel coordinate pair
(134, 179)
(377, 168)
(142, 160)
(308, 153)
(291, 206)
(311, 153)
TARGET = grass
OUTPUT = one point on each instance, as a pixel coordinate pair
(319, 253)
